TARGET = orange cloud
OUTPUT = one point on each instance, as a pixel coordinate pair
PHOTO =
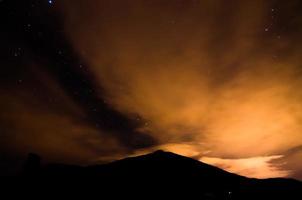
(256, 167)
(195, 78)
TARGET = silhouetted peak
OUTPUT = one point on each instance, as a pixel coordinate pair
(193, 177)
(164, 154)
(161, 152)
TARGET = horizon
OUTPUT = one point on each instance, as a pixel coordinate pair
(93, 81)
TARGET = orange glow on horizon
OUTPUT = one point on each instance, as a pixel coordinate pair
(255, 167)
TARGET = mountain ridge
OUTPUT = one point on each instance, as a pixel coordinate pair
(173, 174)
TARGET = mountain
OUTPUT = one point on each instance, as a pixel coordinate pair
(160, 173)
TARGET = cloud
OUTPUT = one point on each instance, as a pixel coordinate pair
(292, 161)
(51, 124)
(195, 78)
(256, 167)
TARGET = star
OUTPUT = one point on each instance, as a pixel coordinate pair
(50, 1)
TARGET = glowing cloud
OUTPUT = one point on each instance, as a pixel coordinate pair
(227, 84)
(257, 167)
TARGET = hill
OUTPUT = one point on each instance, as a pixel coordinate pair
(160, 173)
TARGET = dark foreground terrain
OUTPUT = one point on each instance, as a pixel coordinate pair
(157, 175)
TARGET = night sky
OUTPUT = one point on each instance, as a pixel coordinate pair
(92, 81)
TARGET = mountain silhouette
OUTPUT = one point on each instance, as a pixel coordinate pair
(161, 173)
